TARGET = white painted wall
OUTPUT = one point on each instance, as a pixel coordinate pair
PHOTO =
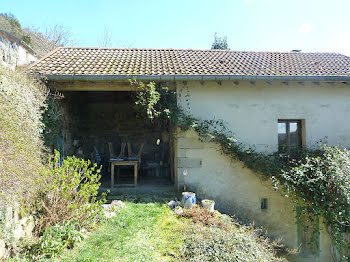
(13, 54)
(252, 113)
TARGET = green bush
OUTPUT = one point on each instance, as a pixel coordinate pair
(22, 101)
(70, 193)
(27, 39)
(217, 237)
(56, 239)
(323, 183)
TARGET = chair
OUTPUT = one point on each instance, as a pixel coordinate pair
(111, 151)
(132, 155)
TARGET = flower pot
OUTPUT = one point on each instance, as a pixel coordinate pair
(208, 204)
(188, 199)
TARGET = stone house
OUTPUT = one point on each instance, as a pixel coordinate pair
(14, 51)
(269, 100)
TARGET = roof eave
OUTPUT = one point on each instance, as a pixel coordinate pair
(54, 77)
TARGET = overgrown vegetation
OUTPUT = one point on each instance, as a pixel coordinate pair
(52, 119)
(42, 42)
(317, 180)
(70, 193)
(54, 241)
(151, 232)
(22, 100)
(61, 194)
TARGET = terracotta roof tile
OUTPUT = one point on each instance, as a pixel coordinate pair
(133, 61)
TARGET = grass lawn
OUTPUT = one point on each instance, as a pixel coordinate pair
(152, 232)
(140, 232)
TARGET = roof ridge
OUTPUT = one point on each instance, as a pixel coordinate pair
(184, 62)
(193, 49)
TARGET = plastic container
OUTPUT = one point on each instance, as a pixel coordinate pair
(188, 199)
(208, 204)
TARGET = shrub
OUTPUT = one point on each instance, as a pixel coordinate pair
(27, 39)
(70, 193)
(218, 237)
(22, 100)
(56, 239)
(323, 183)
(216, 244)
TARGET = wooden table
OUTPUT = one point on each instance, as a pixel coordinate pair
(120, 162)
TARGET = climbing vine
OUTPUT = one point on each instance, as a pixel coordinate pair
(52, 119)
(318, 180)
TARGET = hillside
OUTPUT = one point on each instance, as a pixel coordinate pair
(31, 36)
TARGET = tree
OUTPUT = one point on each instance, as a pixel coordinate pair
(220, 42)
(59, 36)
(106, 39)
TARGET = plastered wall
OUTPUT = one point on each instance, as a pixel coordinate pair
(252, 110)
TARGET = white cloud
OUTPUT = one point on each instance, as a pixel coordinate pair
(305, 28)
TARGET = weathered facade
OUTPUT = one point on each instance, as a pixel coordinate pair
(252, 111)
(253, 93)
(15, 52)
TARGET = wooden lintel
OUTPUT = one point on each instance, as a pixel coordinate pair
(93, 86)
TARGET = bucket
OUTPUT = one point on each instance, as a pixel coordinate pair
(208, 204)
(188, 199)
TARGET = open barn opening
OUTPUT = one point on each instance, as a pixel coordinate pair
(107, 128)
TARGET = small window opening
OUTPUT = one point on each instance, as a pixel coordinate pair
(263, 203)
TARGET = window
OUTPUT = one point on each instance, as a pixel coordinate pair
(263, 203)
(289, 135)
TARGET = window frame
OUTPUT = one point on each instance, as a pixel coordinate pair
(300, 127)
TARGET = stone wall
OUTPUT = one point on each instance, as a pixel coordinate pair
(13, 228)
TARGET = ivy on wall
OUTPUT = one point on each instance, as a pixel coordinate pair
(316, 180)
(52, 119)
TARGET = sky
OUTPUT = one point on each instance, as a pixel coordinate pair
(252, 25)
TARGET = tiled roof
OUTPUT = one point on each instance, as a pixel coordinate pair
(188, 62)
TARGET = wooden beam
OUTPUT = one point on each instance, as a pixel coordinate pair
(92, 86)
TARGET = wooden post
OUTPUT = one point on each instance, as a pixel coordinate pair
(112, 175)
(135, 174)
